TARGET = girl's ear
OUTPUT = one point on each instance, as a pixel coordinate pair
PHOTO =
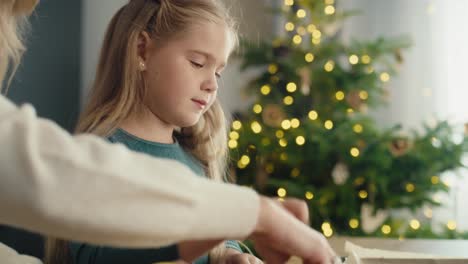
(143, 46)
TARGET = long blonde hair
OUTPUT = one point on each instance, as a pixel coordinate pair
(13, 24)
(114, 97)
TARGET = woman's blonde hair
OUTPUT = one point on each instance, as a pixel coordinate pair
(114, 95)
(13, 24)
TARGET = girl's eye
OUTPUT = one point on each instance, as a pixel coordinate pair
(198, 65)
(218, 75)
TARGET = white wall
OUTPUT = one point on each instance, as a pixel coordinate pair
(96, 16)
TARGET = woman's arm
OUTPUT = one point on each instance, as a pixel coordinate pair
(84, 189)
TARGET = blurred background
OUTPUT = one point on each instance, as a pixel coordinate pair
(429, 85)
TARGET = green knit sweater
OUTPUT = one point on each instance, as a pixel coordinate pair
(83, 253)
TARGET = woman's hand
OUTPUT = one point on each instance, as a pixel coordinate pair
(281, 233)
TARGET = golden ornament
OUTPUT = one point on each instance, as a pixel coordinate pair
(273, 115)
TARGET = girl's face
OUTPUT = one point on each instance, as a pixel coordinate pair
(182, 74)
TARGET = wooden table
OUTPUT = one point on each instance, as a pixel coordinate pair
(449, 248)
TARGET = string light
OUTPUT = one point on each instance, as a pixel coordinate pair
(311, 28)
(281, 192)
(386, 229)
(326, 225)
(265, 90)
(288, 100)
(363, 194)
(289, 26)
(329, 10)
(451, 225)
(359, 181)
(327, 230)
(354, 59)
(300, 140)
(266, 141)
(414, 224)
(283, 156)
(354, 223)
(316, 34)
(410, 187)
(309, 195)
(354, 152)
(245, 160)
(291, 87)
(269, 168)
(272, 68)
(328, 124)
(288, 2)
(257, 109)
(295, 172)
(279, 134)
(301, 30)
(329, 2)
(295, 123)
(364, 95)
(286, 124)
(366, 59)
(283, 142)
(232, 144)
(301, 13)
(316, 41)
(234, 135)
(256, 127)
(297, 39)
(435, 180)
(313, 115)
(309, 57)
(339, 95)
(236, 125)
(329, 66)
(358, 128)
(384, 77)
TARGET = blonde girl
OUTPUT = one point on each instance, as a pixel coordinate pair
(155, 91)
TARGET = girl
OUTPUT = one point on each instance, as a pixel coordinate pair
(155, 92)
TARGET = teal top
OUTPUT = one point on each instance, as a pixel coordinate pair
(83, 253)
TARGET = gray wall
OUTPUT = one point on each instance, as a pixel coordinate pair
(49, 76)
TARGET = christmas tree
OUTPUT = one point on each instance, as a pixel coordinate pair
(309, 133)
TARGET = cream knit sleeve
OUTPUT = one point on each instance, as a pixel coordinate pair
(82, 188)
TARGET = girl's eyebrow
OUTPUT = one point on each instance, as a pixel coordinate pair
(207, 55)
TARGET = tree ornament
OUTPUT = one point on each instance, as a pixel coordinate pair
(340, 173)
(273, 115)
(400, 146)
(370, 221)
(353, 99)
(304, 73)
